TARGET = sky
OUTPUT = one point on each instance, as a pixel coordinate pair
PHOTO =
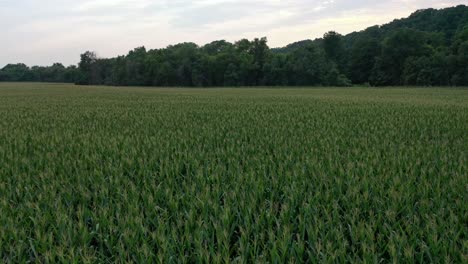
(41, 32)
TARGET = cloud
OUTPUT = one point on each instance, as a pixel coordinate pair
(43, 32)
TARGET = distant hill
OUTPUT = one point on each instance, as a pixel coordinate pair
(293, 46)
(447, 21)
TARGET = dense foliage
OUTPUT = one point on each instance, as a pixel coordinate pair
(55, 73)
(118, 175)
(429, 48)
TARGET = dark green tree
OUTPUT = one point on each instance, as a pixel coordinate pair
(333, 46)
(87, 67)
(362, 59)
(396, 49)
(17, 73)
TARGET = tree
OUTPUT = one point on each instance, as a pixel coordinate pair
(310, 66)
(71, 74)
(275, 70)
(231, 76)
(362, 59)
(135, 67)
(217, 47)
(396, 49)
(427, 70)
(87, 67)
(17, 73)
(333, 46)
(459, 65)
(260, 52)
(458, 61)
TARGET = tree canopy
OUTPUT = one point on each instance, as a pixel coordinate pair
(428, 48)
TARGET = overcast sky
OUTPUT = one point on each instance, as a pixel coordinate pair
(40, 32)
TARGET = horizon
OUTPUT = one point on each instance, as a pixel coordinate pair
(41, 36)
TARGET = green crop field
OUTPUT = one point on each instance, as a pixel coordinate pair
(104, 174)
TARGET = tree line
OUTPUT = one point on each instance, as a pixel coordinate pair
(430, 48)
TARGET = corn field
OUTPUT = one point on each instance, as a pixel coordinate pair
(103, 174)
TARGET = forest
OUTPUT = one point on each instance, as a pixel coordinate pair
(429, 48)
